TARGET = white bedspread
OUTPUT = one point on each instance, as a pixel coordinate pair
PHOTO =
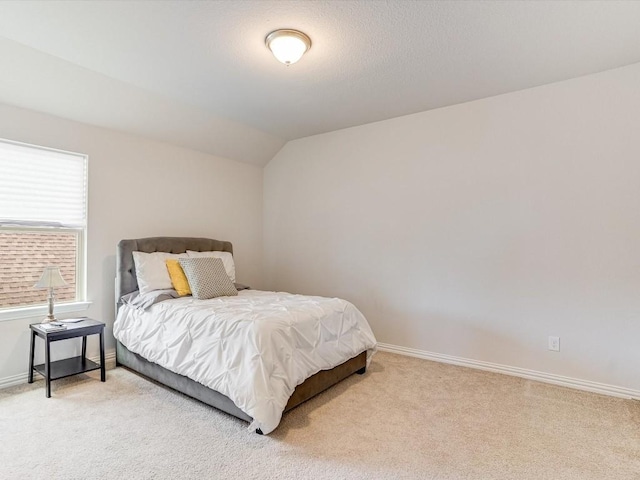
(254, 348)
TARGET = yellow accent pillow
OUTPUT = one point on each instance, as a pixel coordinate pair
(178, 278)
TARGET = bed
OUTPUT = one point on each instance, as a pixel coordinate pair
(341, 355)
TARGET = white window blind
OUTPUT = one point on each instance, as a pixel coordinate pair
(42, 187)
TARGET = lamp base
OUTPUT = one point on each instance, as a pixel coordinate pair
(50, 317)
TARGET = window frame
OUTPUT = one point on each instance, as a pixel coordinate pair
(80, 303)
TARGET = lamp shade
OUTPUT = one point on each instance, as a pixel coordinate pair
(288, 46)
(50, 278)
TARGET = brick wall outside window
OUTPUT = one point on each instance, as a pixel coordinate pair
(23, 256)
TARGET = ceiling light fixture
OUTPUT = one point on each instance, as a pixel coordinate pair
(288, 46)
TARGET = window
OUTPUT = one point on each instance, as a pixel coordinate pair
(43, 211)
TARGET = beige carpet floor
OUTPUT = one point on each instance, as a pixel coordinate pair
(405, 418)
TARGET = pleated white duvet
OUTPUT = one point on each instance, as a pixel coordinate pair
(254, 348)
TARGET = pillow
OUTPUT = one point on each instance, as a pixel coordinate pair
(226, 257)
(178, 278)
(151, 270)
(207, 277)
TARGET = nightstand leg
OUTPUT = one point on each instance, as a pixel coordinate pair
(47, 366)
(103, 373)
(33, 341)
(84, 348)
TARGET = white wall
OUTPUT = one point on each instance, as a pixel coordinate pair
(478, 230)
(140, 188)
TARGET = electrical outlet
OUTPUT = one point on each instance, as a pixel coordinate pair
(554, 344)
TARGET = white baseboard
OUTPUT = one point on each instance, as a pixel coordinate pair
(576, 383)
(109, 359)
(13, 380)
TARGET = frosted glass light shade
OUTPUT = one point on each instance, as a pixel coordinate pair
(288, 46)
(50, 278)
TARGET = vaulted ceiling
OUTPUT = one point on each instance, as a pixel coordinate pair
(199, 75)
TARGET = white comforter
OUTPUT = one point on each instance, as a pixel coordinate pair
(254, 348)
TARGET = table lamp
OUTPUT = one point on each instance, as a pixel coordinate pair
(50, 279)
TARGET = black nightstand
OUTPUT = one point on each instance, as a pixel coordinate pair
(69, 366)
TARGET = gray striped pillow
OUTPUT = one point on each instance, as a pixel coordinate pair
(207, 277)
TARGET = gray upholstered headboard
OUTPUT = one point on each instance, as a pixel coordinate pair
(126, 281)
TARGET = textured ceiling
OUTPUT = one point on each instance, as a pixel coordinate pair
(198, 73)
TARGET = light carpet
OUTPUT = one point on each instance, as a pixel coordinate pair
(406, 418)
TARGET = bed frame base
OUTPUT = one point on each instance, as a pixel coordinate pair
(309, 388)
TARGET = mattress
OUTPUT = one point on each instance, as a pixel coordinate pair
(254, 348)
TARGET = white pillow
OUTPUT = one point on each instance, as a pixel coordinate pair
(151, 270)
(226, 257)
